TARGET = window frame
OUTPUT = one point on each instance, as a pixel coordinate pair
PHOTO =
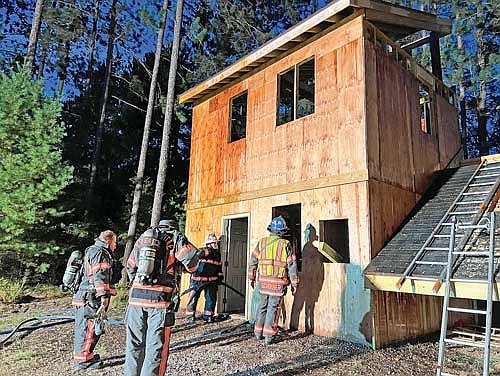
(230, 117)
(296, 77)
(422, 101)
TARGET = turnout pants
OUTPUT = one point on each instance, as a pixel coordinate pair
(210, 299)
(86, 338)
(148, 338)
(267, 315)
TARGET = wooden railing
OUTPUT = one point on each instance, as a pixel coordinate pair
(408, 62)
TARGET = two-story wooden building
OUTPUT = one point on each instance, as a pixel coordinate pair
(336, 127)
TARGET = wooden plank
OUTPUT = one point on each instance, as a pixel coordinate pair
(465, 290)
(416, 43)
(398, 15)
(282, 189)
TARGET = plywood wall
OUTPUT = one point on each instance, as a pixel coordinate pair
(361, 156)
(328, 143)
(341, 303)
(396, 322)
(402, 160)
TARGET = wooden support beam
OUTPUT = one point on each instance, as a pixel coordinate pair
(435, 55)
(416, 43)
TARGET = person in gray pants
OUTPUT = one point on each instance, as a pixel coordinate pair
(153, 267)
(93, 293)
(273, 264)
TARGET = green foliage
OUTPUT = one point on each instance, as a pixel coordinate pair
(11, 291)
(32, 174)
(119, 302)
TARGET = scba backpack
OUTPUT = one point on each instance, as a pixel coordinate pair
(74, 272)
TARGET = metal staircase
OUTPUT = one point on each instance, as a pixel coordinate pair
(430, 262)
(486, 224)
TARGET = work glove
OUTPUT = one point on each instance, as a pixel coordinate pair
(252, 283)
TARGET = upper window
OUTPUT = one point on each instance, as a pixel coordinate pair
(238, 125)
(425, 108)
(296, 92)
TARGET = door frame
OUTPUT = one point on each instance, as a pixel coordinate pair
(224, 219)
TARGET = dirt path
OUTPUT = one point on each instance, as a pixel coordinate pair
(228, 348)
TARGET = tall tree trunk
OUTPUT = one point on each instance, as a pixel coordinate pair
(35, 30)
(102, 113)
(482, 114)
(41, 66)
(139, 178)
(63, 68)
(461, 84)
(93, 37)
(163, 165)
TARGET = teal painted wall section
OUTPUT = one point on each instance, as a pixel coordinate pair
(355, 321)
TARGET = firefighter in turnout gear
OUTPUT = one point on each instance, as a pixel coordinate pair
(273, 264)
(209, 272)
(92, 300)
(153, 267)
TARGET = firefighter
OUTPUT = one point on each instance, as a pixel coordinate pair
(209, 272)
(92, 299)
(273, 264)
(153, 267)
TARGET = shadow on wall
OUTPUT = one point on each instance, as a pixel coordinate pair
(311, 282)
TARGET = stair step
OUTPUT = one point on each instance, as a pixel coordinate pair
(467, 310)
(471, 253)
(481, 184)
(431, 262)
(486, 176)
(436, 248)
(475, 193)
(464, 343)
(462, 212)
(469, 202)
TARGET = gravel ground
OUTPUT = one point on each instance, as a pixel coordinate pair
(228, 348)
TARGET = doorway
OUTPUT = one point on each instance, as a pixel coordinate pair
(292, 216)
(234, 261)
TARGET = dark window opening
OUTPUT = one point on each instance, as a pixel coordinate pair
(238, 117)
(425, 108)
(296, 92)
(286, 97)
(305, 98)
(292, 214)
(335, 233)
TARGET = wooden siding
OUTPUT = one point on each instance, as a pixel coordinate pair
(342, 304)
(329, 142)
(401, 163)
(399, 316)
(360, 157)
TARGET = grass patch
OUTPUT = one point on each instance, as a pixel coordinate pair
(11, 291)
(24, 355)
(12, 320)
(47, 291)
(119, 302)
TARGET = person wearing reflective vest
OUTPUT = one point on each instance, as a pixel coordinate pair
(152, 301)
(209, 272)
(273, 264)
(92, 297)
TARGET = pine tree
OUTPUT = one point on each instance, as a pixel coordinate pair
(32, 173)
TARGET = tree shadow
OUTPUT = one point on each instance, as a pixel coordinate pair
(311, 282)
(331, 351)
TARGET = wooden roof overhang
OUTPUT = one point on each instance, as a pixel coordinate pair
(393, 20)
(467, 289)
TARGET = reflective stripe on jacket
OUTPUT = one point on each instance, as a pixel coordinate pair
(160, 295)
(96, 279)
(276, 264)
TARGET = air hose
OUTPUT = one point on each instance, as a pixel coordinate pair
(62, 320)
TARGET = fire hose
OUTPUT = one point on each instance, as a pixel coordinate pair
(67, 319)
